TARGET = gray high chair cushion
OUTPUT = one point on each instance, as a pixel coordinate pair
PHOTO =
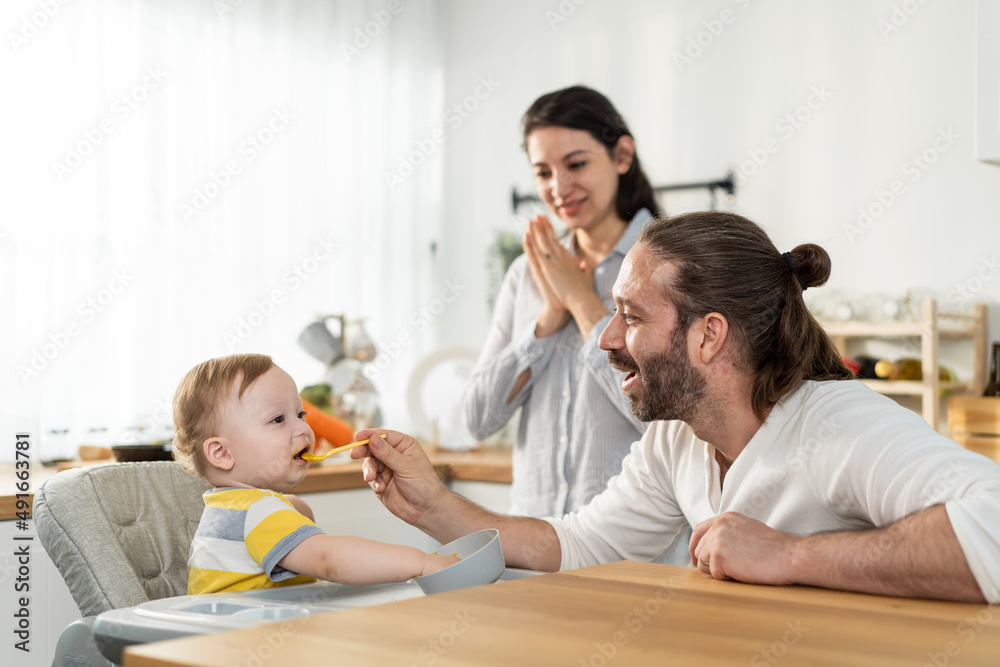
(120, 533)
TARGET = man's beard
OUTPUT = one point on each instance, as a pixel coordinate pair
(669, 387)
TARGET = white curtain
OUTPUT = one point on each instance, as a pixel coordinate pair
(185, 179)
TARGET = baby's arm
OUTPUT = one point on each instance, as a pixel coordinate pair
(356, 560)
(301, 506)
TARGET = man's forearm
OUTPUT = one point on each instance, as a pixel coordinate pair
(918, 556)
(527, 543)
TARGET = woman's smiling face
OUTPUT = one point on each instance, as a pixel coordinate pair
(574, 175)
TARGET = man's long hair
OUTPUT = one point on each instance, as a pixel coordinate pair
(727, 264)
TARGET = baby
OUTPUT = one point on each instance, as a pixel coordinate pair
(240, 425)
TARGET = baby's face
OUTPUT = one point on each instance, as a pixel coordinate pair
(268, 432)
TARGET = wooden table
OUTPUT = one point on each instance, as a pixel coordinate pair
(622, 613)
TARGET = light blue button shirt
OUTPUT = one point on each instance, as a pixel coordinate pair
(576, 425)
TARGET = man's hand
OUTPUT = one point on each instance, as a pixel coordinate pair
(733, 546)
(403, 478)
(400, 473)
(918, 556)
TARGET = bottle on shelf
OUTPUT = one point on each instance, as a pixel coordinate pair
(866, 367)
(993, 382)
(909, 369)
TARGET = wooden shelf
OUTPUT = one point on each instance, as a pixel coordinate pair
(897, 329)
(913, 388)
(933, 326)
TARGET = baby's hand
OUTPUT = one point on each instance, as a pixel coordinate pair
(435, 562)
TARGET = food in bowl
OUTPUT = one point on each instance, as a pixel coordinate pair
(480, 562)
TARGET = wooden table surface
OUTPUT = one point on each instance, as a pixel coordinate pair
(623, 613)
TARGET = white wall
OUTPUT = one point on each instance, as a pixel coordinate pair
(888, 97)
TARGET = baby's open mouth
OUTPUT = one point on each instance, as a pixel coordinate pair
(302, 451)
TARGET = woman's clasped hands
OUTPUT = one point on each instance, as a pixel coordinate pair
(563, 279)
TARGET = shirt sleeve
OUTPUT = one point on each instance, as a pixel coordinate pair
(273, 528)
(636, 518)
(609, 379)
(505, 356)
(894, 465)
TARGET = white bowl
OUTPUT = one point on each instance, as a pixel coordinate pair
(482, 563)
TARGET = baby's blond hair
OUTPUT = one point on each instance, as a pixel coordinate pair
(199, 398)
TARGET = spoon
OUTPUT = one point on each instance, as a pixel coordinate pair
(313, 457)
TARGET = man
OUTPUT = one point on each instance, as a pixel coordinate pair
(790, 472)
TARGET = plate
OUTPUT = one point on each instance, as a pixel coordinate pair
(435, 395)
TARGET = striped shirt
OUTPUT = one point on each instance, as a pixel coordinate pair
(242, 536)
(576, 424)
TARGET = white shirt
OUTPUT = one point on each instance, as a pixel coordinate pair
(576, 424)
(831, 456)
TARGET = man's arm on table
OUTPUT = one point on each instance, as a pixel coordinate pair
(402, 476)
(918, 556)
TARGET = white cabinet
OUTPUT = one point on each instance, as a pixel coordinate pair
(52, 607)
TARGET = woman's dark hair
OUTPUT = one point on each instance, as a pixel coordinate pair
(580, 108)
(727, 264)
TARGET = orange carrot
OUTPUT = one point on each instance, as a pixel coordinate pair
(326, 426)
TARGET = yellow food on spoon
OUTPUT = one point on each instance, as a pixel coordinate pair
(319, 457)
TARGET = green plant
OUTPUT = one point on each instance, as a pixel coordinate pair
(506, 247)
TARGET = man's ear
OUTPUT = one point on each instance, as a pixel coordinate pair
(216, 450)
(624, 154)
(712, 331)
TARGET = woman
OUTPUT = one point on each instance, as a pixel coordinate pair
(541, 355)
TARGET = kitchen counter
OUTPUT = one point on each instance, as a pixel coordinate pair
(480, 465)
